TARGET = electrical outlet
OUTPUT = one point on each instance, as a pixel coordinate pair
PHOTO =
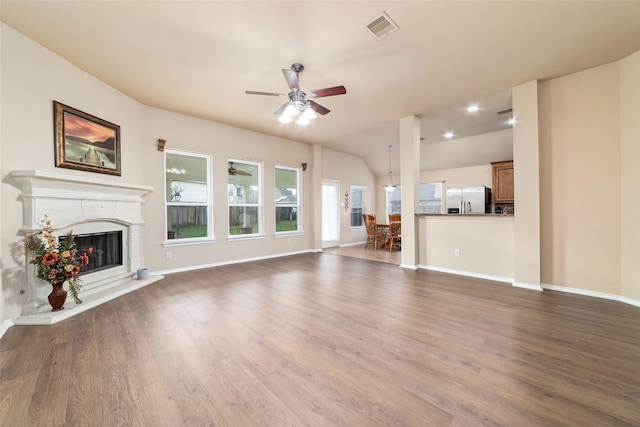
(456, 252)
(167, 255)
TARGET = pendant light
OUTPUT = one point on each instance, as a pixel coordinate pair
(390, 187)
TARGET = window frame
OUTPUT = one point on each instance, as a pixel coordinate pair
(208, 203)
(258, 205)
(297, 205)
(353, 188)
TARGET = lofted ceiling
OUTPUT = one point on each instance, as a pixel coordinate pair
(198, 58)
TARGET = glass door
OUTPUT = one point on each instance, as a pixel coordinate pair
(330, 214)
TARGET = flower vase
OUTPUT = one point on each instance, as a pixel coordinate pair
(58, 296)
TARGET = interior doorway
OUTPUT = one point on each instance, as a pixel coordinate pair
(330, 213)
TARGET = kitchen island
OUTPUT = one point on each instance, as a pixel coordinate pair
(478, 245)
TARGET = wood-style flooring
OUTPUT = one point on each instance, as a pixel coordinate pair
(357, 251)
(325, 340)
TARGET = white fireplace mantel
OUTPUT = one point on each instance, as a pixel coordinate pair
(84, 204)
(69, 200)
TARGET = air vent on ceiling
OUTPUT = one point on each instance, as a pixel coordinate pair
(381, 26)
(508, 110)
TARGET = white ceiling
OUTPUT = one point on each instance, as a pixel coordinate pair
(198, 58)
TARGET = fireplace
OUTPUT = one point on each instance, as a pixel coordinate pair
(104, 213)
(107, 250)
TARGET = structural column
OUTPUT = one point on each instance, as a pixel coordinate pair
(526, 178)
(410, 180)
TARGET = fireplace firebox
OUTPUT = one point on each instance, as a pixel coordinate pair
(107, 250)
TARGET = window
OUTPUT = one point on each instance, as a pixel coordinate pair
(244, 195)
(429, 199)
(393, 201)
(357, 205)
(287, 199)
(187, 195)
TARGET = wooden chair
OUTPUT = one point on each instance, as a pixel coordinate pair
(395, 218)
(373, 234)
(395, 233)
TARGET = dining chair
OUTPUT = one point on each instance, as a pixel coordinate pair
(395, 218)
(373, 234)
(395, 232)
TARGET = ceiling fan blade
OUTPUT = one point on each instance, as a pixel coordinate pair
(281, 109)
(318, 108)
(253, 92)
(329, 91)
(292, 78)
(239, 172)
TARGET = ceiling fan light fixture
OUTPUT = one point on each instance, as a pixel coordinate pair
(309, 113)
(302, 121)
(290, 111)
(285, 118)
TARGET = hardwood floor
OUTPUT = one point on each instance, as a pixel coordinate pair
(325, 340)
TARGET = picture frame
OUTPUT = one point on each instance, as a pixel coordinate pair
(85, 142)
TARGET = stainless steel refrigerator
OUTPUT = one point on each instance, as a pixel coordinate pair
(469, 200)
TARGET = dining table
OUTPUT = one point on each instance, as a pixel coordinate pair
(384, 229)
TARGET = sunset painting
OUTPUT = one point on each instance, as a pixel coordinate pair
(86, 142)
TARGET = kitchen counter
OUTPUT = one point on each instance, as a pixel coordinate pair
(419, 215)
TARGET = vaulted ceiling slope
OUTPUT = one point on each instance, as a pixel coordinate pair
(198, 58)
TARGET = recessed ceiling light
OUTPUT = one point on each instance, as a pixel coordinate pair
(511, 122)
(448, 135)
(472, 108)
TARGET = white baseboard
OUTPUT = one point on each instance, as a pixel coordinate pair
(594, 294)
(409, 266)
(235, 261)
(466, 273)
(541, 287)
(530, 286)
(4, 326)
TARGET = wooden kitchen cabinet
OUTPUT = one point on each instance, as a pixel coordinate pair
(502, 181)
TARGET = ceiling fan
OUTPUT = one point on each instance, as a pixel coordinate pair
(300, 104)
(234, 172)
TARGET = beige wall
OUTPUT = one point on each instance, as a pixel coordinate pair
(630, 175)
(32, 78)
(349, 170)
(222, 142)
(485, 245)
(580, 180)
